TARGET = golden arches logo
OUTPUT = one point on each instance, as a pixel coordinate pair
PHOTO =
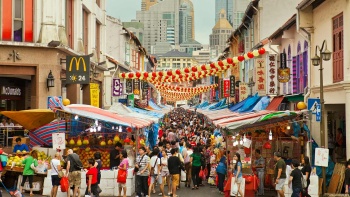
(77, 63)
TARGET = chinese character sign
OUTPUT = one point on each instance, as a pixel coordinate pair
(95, 94)
(260, 80)
(117, 88)
(271, 75)
(136, 86)
(243, 91)
(232, 86)
(128, 86)
(226, 88)
(77, 69)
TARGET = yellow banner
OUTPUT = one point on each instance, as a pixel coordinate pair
(95, 94)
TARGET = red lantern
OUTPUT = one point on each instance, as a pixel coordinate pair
(160, 73)
(154, 74)
(187, 70)
(267, 145)
(123, 75)
(212, 65)
(240, 58)
(178, 72)
(138, 74)
(145, 74)
(169, 73)
(229, 60)
(261, 51)
(221, 64)
(129, 129)
(250, 55)
(131, 75)
(127, 140)
(203, 67)
(247, 150)
(194, 69)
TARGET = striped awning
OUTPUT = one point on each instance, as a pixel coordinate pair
(226, 122)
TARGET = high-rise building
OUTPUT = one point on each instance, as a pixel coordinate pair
(227, 5)
(186, 21)
(220, 33)
(169, 21)
(239, 7)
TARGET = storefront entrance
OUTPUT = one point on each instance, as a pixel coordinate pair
(14, 93)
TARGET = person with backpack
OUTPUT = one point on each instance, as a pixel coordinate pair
(73, 172)
(156, 168)
(295, 179)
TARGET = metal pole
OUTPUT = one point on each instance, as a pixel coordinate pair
(322, 128)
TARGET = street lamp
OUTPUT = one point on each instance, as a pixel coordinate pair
(325, 55)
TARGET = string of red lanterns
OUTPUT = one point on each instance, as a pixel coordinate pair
(184, 89)
(193, 73)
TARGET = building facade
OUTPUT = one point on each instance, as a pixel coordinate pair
(226, 5)
(175, 59)
(36, 43)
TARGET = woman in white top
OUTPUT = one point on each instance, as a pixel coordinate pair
(165, 171)
(55, 168)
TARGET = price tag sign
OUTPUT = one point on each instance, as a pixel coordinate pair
(58, 141)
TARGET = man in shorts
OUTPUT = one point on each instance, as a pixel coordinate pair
(174, 170)
(280, 173)
(73, 172)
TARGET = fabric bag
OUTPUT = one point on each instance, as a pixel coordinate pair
(303, 181)
(121, 178)
(99, 190)
(64, 184)
(32, 166)
(3, 159)
(59, 173)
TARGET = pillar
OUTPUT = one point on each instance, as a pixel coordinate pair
(347, 122)
(73, 93)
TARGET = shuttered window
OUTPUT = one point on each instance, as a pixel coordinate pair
(338, 49)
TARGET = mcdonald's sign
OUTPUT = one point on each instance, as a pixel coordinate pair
(77, 70)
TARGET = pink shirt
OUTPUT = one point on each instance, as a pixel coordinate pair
(125, 161)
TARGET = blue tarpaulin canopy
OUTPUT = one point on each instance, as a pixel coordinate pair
(150, 113)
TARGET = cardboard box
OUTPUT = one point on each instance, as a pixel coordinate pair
(36, 186)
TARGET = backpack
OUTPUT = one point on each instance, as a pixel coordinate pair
(303, 181)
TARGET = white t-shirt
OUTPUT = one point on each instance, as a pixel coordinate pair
(54, 168)
(152, 163)
(164, 162)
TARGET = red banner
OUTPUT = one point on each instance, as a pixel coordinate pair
(226, 88)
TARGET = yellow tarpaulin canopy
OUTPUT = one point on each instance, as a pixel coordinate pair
(31, 119)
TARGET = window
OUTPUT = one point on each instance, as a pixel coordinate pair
(133, 58)
(18, 21)
(137, 61)
(338, 51)
(98, 40)
(85, 31)
(127, 52)
(70, 23)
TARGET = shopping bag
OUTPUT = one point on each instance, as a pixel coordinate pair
(121, 178)
(183, 176)
(201, 173)
(3, 159)
(234, 186)
(149, 180)
(64, 184)
(228, 183)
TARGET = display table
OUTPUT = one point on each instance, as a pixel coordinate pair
(108, 184)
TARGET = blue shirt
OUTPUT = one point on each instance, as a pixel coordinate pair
(20, 148)
(235, 171)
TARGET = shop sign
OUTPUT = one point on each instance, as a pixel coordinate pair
(131, 100)
(144, 89)
(226, 88)
(136, 86)
(243, 91)
(117, 89)
(128, 86)
(271, 75)
(95, 94)
(221, 90)
(232, 86)
(283, 71)
(77, 69)
(260, 76)
(10, 91)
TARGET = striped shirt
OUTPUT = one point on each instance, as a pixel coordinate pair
(142, 165)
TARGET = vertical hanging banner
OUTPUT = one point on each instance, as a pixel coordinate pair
(221, 92)
(95, 94)
(117, 88)
(283, 71)
(144, 88)
(260, 76)
(136, 86)
(226, 88)
(271, 75)
(243, 91)
(232, 86)
(128, 86)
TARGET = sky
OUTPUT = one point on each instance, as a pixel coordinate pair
(204, 18)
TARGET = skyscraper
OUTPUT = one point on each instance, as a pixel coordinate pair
(169, 21)
(239, 7)
(227, 5)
